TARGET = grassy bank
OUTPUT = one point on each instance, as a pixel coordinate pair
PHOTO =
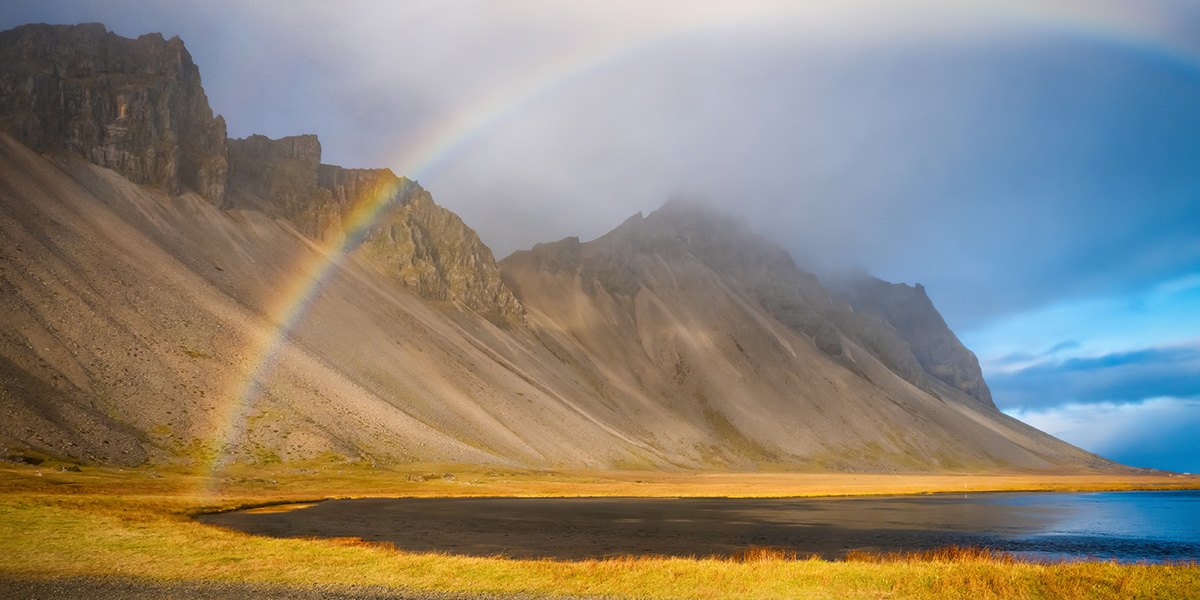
(138, 523)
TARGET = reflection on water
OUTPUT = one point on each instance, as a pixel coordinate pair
(1152, 526)
(1126, 526)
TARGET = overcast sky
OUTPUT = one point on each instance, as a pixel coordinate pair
(1036, 165)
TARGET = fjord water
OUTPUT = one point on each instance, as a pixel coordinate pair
(1152, 526)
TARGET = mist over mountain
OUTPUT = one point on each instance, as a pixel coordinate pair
(171, 295)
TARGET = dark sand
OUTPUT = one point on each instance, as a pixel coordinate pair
(582, 528)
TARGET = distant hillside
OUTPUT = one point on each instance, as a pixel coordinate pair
(157, 307)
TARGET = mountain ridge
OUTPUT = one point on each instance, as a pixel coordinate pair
(144, 313)
(632, 299)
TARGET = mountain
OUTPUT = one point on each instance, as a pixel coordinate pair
(740, 359)
(159, 306)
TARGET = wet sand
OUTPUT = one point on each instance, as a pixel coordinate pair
(584, 528)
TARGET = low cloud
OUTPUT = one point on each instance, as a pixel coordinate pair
(1006, 154)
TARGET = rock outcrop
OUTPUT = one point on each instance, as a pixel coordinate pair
(434, 253)
(391, 220)
(910, 311)
(276, 177)
(134, 106)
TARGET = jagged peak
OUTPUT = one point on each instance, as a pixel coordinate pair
(570, 241)
(288, 145)
(685, 225)
(381, 171)
(564, 255)
(94, 29)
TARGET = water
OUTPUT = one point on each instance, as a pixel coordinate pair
(1125, 526)
(1153, 526)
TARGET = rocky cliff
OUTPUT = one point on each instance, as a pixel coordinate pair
(134, 106)
(137, 107)
(911, 313)
(276, 177)
(424, 246)
(433, 252)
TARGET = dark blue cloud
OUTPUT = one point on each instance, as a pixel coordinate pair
(1016, 358)
(1084, 182)
(1028, 357)
(1116, 378)
(1061, 346)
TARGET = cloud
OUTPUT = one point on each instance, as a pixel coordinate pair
(1117, 378)
(1158, 433)
(1063, 346)
(1020, 360)
(1160, 315)
(1003, 176)
(1007, 155)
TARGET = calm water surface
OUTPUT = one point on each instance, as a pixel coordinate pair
(1126, 526)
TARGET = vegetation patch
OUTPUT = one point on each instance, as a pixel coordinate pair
(195, 353)
(120, 522)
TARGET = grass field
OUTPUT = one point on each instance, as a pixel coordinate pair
(139, 523)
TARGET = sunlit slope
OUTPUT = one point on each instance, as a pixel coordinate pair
(132, 320)
(672, 312)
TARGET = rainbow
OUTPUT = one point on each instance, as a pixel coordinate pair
(289, 310)
(1146, 31)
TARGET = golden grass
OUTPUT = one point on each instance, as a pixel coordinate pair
(278, 508)
(100, 522)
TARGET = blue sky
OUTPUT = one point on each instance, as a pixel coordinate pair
(1036, 165)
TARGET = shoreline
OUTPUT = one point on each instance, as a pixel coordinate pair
(141, 523)
(576, 529)
(275, 484)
